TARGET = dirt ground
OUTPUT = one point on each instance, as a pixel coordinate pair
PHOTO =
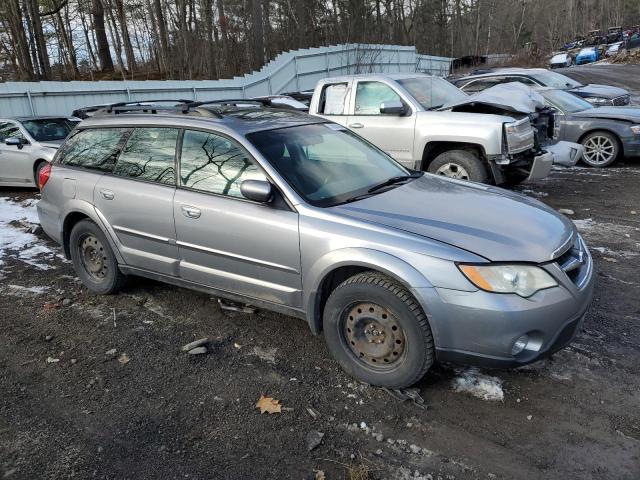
(97, 386)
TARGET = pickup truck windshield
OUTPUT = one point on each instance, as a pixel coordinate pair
(431, 92)
(326, 163)
(565, 101)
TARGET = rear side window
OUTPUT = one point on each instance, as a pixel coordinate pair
(213, 163)
(96, 149)
(332, 99)
(149, 155)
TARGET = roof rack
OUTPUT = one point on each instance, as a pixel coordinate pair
(146, 104)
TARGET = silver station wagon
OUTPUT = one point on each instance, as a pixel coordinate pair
(292, 213)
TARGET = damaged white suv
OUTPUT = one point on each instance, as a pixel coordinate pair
(426, 123)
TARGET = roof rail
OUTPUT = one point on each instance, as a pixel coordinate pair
(230, 102)
(143, 103)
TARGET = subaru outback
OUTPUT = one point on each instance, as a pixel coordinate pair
(292, 213)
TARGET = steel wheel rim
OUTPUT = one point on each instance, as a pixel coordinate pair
(373, 335)
(453, 170)
(599, 150)
(93, 257)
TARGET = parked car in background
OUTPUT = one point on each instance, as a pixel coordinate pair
(607, 133)
(540, 77)
(613, 49)
(560, 60)
(27, 144)
(397, 268)
(407, 116)
(588, 55)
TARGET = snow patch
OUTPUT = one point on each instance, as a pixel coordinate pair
(20, 291)
(16, 221)
(478, 384)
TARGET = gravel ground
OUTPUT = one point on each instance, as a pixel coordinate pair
(97, 387)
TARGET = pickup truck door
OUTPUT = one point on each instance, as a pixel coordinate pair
(391, 133)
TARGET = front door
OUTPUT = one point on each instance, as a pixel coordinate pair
(16, 162)
(137, 200)
(226, 241)
(391, 133)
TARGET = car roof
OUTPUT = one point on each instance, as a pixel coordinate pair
(35, 117)
(376, 76)
(241, 120)
(505, 70)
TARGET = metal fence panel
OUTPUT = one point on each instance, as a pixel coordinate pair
(290, 71)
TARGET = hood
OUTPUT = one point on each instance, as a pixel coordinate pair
(510, 97)
(629, 113)
(496, 224)
(594, 90)
(52, 143)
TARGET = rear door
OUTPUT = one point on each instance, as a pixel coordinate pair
(16, 162)
(136, 200)
(391, 133)
(226, 241)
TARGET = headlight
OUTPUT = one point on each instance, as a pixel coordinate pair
(524, 280)
(598, 100)
(519, 136)
(635, 129)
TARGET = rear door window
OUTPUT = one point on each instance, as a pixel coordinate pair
(332, 99)
(149, 155)
(95, 148)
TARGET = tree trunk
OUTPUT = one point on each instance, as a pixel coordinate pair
(41, 46)
(257, 51)
(104, 54)
(23, 56)
(126, 39)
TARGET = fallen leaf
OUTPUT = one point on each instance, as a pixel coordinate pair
(319, 475)
(269, 405)
(124, 359)
(609, 259)
(52, 360)
(237, 346)
(50, 306)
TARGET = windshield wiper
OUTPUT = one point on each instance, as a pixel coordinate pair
(394, 181)
(435, 107)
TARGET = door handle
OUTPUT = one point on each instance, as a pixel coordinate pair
(107, 194)
(191, 212)
(356, 125)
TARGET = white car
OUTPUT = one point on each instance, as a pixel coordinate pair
(613, 49)
(27, 144)
(560, 60)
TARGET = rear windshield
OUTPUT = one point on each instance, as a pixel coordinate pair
(49, 129)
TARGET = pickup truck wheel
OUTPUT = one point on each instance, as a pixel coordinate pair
(377, 331)
(600, 149)
(460, 164)
(93, 259)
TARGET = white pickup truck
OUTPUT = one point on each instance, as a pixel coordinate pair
(428, 124)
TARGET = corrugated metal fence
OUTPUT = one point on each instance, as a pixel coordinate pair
(290, 71)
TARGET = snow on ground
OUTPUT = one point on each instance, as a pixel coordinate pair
(17, 219)
(485, 387)
(21, 291)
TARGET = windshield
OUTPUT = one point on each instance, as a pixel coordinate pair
(555, 80)
(431, 92)
(326, 163)
(49, 129)
(565, 101)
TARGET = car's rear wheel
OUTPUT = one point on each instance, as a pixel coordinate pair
(377, 331)
(600, 149)
(93, 259)
(460, 164)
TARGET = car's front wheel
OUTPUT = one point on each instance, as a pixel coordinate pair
(94, 261)
(460, 164)
(601, 149)
(377, 331)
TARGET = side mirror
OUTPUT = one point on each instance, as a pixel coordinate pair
(394, 107)
(15, 141)
(257, 190)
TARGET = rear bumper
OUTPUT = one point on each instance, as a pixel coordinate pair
(541, 166)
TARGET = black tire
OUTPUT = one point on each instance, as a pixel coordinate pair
(101, 274)
(610, 148)
(36, 171)
(411, 332)
(460, 164)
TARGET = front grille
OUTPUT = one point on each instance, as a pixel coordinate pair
(621, 100)
(575, 262)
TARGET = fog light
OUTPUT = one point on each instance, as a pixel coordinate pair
(519, 345)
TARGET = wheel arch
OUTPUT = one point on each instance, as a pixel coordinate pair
(433, 149)
(335, 267)
(75, 215)
(37, 162)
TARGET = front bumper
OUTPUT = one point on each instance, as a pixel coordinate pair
(479, 328)
(541, 166)
(566, 154)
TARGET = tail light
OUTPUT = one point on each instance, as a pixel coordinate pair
(43, 175)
